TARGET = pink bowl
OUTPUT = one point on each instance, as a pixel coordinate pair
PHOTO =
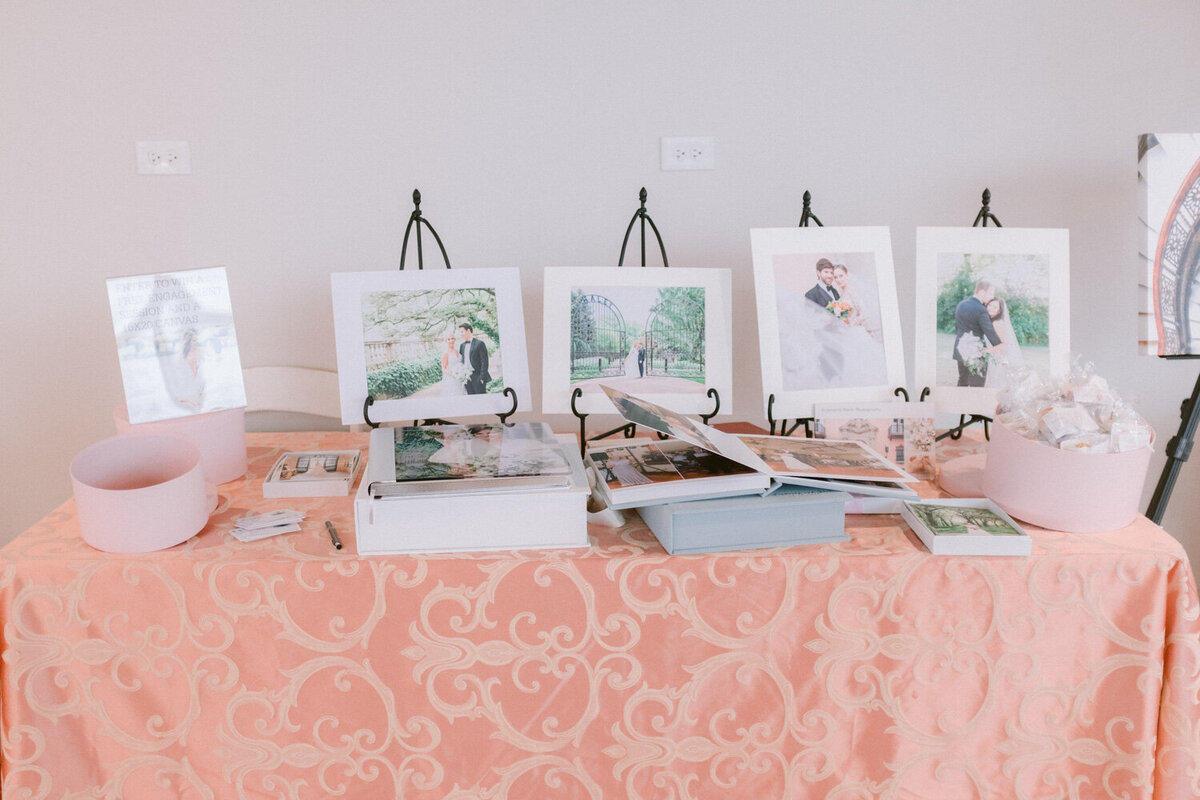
(140, 492)
(1063, 490)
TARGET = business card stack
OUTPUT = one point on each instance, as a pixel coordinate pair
(263, 526)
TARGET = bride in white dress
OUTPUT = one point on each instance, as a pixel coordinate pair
(631, 361)
(819, 350)
(1008, 355)
(453, 371)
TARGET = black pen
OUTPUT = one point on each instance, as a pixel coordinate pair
(333, 535)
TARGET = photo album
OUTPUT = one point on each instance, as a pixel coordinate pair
(966, 527)
(645, 474)
(462, 459)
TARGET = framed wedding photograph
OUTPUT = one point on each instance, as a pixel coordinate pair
(661, 333)
(989, 301)
(828, 319)
(429, 343)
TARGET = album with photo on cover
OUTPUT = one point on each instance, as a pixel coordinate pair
(461, 459)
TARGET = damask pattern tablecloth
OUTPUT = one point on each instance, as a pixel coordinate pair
(869, 669)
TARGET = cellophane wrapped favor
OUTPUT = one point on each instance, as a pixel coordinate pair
(1081, 413)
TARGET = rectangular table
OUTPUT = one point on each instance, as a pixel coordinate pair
(869, 669)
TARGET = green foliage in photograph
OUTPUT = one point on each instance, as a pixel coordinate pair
(1029, 314)
(430, 314)
(679, 327)
(583, 327)
(402, 378)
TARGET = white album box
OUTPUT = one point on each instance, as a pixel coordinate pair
(523, 519)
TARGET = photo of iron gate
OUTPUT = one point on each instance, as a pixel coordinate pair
(675, 348)
(599, 337)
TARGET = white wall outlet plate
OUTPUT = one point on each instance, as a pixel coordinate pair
(164, 158)
(688, 152)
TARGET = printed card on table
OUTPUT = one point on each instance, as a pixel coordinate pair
(904, 433)
(176, 344)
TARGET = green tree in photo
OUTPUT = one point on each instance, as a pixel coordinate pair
(1029, 313)
(428, 314)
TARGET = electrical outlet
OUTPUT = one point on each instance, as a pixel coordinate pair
(164, 158)
(688, 152)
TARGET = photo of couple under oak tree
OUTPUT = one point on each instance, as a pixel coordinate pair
(426, 342)
(638, 338)
(992, 317)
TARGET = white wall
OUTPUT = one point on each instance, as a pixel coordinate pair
(529, 127)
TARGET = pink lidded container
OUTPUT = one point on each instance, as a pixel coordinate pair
(220, 436)
(1060, 489)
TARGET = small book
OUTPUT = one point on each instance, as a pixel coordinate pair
(790, 515)
(465, 459)
(966, 527)
(317, 473)
(649, 472)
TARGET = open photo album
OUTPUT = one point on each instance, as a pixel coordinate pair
(735, 464)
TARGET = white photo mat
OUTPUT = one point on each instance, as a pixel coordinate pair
(718, 333)
(793, 339)
(349, 291)
(1017, 256)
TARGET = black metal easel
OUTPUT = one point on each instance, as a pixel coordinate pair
(806, 216)
(415, 219)
(1178, 450)
(955, 433)
(630, 429)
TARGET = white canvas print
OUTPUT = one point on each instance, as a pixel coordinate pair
(828, 321)
(989, 300)
(443, 343)
(1169, 219)
(176, 344)
(662, 333)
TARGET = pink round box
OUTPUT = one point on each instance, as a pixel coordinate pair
(1063, 490)
(140, 492)
(220, 435)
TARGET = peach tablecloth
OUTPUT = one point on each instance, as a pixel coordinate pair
(870, 669)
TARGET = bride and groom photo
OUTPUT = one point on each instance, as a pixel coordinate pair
(992, 317)
(431, 342)
(830, 329)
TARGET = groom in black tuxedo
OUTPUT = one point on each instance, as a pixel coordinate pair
(971, 316)
(475, 356)
(824, 292)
